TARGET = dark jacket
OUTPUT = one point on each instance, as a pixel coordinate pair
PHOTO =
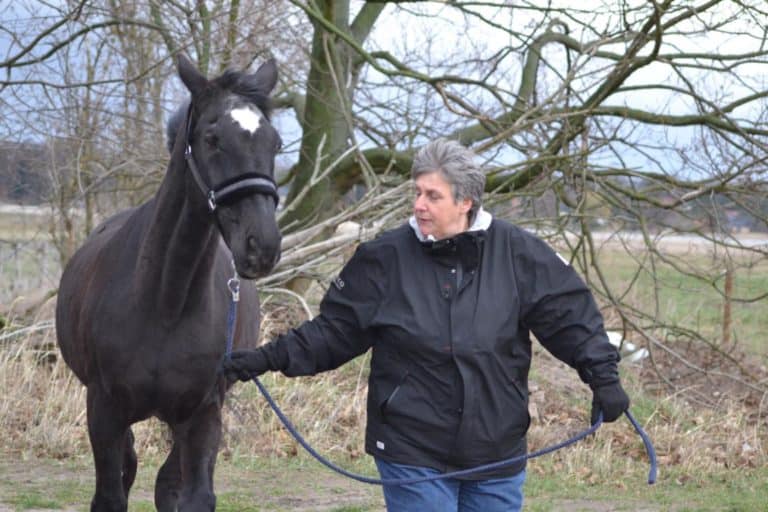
(449, 323)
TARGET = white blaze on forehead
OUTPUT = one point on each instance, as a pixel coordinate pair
(247, 118)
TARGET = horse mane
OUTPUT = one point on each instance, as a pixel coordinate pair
(174, 123)
(236, 82)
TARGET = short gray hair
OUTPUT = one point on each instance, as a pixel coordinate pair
(457, 164)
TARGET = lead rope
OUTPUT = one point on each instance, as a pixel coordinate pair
(234, 289)
(234, 286)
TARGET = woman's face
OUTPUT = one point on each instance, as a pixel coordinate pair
(436, 212)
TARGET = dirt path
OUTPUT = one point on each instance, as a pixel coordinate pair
(56, 486)
(48, 485)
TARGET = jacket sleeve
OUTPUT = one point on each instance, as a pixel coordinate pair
(561, 311)
(338, 333)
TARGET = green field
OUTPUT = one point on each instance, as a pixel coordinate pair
(710, 433)
(694, 298)
(289, 484)
(23, 223)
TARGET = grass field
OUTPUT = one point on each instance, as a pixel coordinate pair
(28, 261)
(696, 300)
(251, 484)
(713, 453)
(23, 222)
(709, 459)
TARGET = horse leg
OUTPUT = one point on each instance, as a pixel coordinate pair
(108, 436)
(199, 438)
(130, 462)
(168, 482)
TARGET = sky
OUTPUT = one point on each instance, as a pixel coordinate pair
(445, 32)
(448, 32)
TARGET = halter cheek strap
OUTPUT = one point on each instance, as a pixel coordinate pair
(231, 189)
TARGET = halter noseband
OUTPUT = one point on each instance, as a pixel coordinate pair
(249, 181)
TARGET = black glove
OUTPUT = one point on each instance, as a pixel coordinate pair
(245, 365)
(611, 399)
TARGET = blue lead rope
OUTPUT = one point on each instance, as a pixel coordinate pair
(464, 472)
(648, 447)
(234, 286)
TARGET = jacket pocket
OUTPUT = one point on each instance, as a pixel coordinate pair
(389, 399)
(523, 395)
(508, 419)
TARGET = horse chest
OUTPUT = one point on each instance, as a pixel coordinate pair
(171, 390)
(158, 370)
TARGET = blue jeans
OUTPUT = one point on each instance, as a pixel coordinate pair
(449, 495)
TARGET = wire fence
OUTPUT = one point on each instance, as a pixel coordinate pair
(27, 268)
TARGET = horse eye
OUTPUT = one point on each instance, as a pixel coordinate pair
(211, 140)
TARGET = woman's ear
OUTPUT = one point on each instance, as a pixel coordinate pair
(465, 205)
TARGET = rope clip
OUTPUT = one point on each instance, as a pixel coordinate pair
(234, 284)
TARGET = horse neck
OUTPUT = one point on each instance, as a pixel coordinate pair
(178, 248)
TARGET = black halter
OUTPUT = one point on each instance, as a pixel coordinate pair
(250, 181)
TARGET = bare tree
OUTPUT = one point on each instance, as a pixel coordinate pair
(600, 123)
(91, 80)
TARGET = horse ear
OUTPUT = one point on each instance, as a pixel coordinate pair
(192, 78)
(265, 78)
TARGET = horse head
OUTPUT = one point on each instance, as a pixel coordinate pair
(230, 149)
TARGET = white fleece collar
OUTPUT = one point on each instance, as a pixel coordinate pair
(482, 222)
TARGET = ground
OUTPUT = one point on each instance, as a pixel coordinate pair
(727, 445)
(45, 486)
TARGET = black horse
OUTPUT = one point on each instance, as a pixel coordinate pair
(142, 308)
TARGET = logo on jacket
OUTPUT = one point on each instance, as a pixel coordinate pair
(338, 283)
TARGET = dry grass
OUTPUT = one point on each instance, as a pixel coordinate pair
(42, 414)
(689, 439)
(43, 411)
(42, 408)
(701, 424)
(327, 409)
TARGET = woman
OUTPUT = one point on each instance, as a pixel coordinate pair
(447, 303)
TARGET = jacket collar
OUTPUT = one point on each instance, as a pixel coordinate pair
(481, 223)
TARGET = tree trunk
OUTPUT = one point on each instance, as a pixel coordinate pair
(326, 133)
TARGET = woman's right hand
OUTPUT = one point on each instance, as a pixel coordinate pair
(244, 365)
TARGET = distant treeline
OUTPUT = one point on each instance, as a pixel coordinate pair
(24, 173)
(715, 212)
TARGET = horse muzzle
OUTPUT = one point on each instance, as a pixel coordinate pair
(259, 258)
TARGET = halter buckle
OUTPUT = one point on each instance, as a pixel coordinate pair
(211, 200)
